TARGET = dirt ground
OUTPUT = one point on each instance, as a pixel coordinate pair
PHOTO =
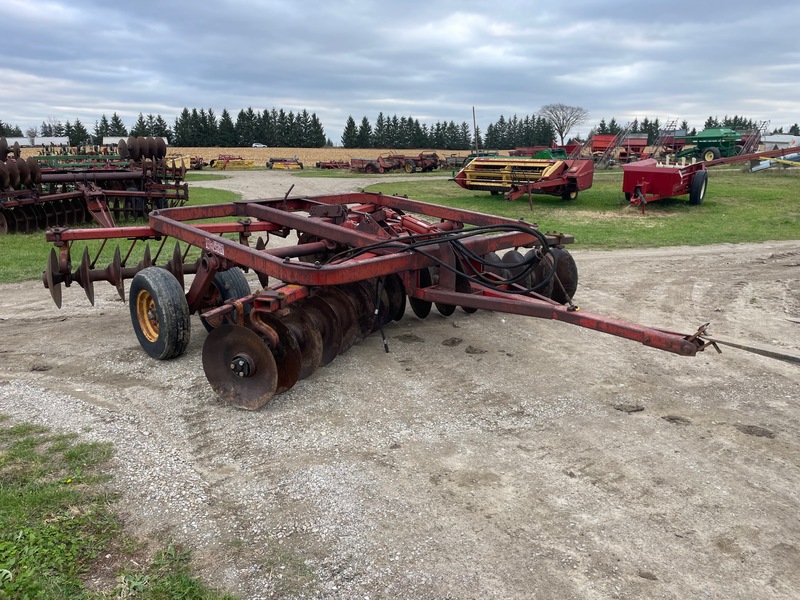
(484, 456)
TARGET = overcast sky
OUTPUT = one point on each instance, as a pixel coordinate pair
(432, 60)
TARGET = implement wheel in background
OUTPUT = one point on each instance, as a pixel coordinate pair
(697, 190)
(159, 313)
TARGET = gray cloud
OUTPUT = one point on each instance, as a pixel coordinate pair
(433, 61)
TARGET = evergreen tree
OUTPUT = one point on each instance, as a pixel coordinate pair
(182, 129)
(140, 127)
(350, 134)
(226, 132)
(379, 133)
(46, 129)
(316, 133)
(80, 136)
(602, 128)
(364, 136)
(116, 127)
(101, 129)
(794, 129)
(161, 129)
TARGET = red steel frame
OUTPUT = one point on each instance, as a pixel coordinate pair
(281, 215)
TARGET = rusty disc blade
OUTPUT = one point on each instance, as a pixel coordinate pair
(50, 277)
(540, 273)
(21, 218)
(239, 366)
(4, 180)
(83, 276)
(35, 170)
(287, 353)
(144, 146)
(327, 323)
(364, 307)
(421, 308)
(346, 315)
(13, 174)
(307, 335)
(115, 274)
(3, 148)
(3, 223)
(161, 148)
(16, 150)
(397, 295)
(39, 215)
(122, 149)
(133, 148)
(24, 173)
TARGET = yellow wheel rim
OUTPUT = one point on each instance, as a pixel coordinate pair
(147, 315)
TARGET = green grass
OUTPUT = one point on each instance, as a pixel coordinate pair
(57, 525)
(23, 256)
(204, 177)
(738, 207)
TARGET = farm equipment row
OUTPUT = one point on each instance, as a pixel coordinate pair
(516, 176)
(424, 161)
(358, 258)
(66, 189)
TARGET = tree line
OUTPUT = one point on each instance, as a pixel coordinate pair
(279, 128)
(408, 132)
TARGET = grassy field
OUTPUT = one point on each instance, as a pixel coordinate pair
(57, 526)
(739, 207)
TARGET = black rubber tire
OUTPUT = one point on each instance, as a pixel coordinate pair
(410, 166)
(711, 153)
(737, 149)
(567, 273)
(231, 285)
(697, 189)
(569, 194)
(370, 169)
(159, 313)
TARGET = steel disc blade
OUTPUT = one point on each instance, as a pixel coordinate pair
(39, 215)
(240, 367)
(161, 148)
(50, 275)
(115, 274)
(327, 323)
(4, 180)
(144, 147)
(3, 148)
(307, 335)
(83, 276)
(21, 217)
(364, 305)
(346, 314)
(286, 353)
(397, 295)
(24, 173)
(35, 169)
(541, 272)
(3, 223)
(122, 149)
(13, 174)
(133, 148)
(16, 150)
(421, 308)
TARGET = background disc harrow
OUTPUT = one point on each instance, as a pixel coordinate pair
(65, 190)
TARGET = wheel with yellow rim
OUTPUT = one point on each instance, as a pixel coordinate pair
(159, 313)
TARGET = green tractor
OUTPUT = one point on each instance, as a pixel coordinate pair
(711, 144)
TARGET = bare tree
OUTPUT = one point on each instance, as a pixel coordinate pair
(563, 117)
(31, 134)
